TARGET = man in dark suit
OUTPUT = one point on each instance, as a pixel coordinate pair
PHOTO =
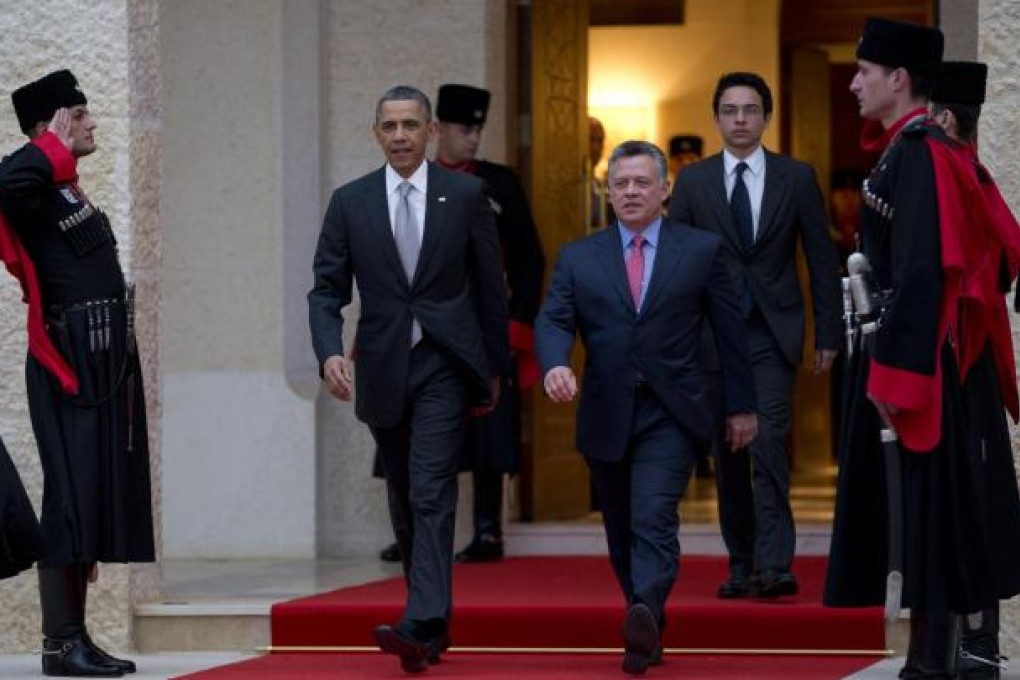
(762, 204)
(421, 242)
(493, 446)
(637, 294)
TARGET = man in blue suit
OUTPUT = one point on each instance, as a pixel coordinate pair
(637, 293)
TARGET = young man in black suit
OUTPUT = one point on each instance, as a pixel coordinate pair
(763, 204)
(637, 293)
(432, 340)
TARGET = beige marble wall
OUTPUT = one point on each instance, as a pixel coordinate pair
(1000, 128)
(108, 45)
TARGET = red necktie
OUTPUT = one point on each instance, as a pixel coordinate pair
(636, 268)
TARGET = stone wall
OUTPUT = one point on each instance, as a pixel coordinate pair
(1000, 128)
(109, 46)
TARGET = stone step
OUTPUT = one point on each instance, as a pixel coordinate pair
(216, 605)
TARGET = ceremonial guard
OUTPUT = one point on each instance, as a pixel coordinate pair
(20, 540)
(956, 106)
(930, 371)
(83, 376)
(494, 441)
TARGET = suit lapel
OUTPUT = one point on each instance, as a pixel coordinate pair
(610, 252)
(776, 186)
(668, 254)
(721, 202)
(435, 218)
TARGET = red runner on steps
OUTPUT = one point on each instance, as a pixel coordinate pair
(561, 602)
(532, 667)
(573, 602)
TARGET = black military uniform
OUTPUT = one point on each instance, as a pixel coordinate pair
(85, 399)
(20, 540)
(950, 416)
(960, 89)
(493, 442)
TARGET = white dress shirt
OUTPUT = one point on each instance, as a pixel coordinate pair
(416, 197)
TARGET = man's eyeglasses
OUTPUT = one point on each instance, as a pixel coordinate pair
(732, 111)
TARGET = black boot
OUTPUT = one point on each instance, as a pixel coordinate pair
(933, 646)
(979, 646)
(487, 544)
(124, 665)
(71, 657)
(917, 637)
(65, 653)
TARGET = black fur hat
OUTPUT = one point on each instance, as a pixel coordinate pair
(38, 100)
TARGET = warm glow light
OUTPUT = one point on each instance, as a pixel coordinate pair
(625, 114)
(598, 99)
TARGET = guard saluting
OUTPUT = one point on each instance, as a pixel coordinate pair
(935, 371)
(83, 376)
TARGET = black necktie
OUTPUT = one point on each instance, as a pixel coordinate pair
(740, 207)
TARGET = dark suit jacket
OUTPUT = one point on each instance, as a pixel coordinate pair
(457, 295)
(589, 296)
(792, 209)
(523, 260)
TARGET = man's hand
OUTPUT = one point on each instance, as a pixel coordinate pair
(479, 411)
(60, 125)
(338, 374)
(741, 429)
(560, 384)
(823, 360)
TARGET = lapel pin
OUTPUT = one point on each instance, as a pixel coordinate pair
(442, 199)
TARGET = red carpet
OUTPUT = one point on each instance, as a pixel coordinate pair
(575, 602)
(532, 667)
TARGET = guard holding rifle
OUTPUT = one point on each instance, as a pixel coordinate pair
(931, 369)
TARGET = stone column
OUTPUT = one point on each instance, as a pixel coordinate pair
(998, 21)
(240, 210)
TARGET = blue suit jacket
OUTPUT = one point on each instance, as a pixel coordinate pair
(589, 296)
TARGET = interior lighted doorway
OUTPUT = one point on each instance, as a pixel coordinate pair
(647, 69)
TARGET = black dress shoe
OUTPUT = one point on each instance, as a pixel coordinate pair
(125, 665)
(390, 553)
(640, 638)
(412, 652)
(771, 585)
(436, 646)
(71, 657)
(484, 548)
(734, 588)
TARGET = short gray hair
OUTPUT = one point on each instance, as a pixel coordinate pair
(632, 148)
(404, 93)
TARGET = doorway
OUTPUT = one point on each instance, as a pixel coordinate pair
(651, 75)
